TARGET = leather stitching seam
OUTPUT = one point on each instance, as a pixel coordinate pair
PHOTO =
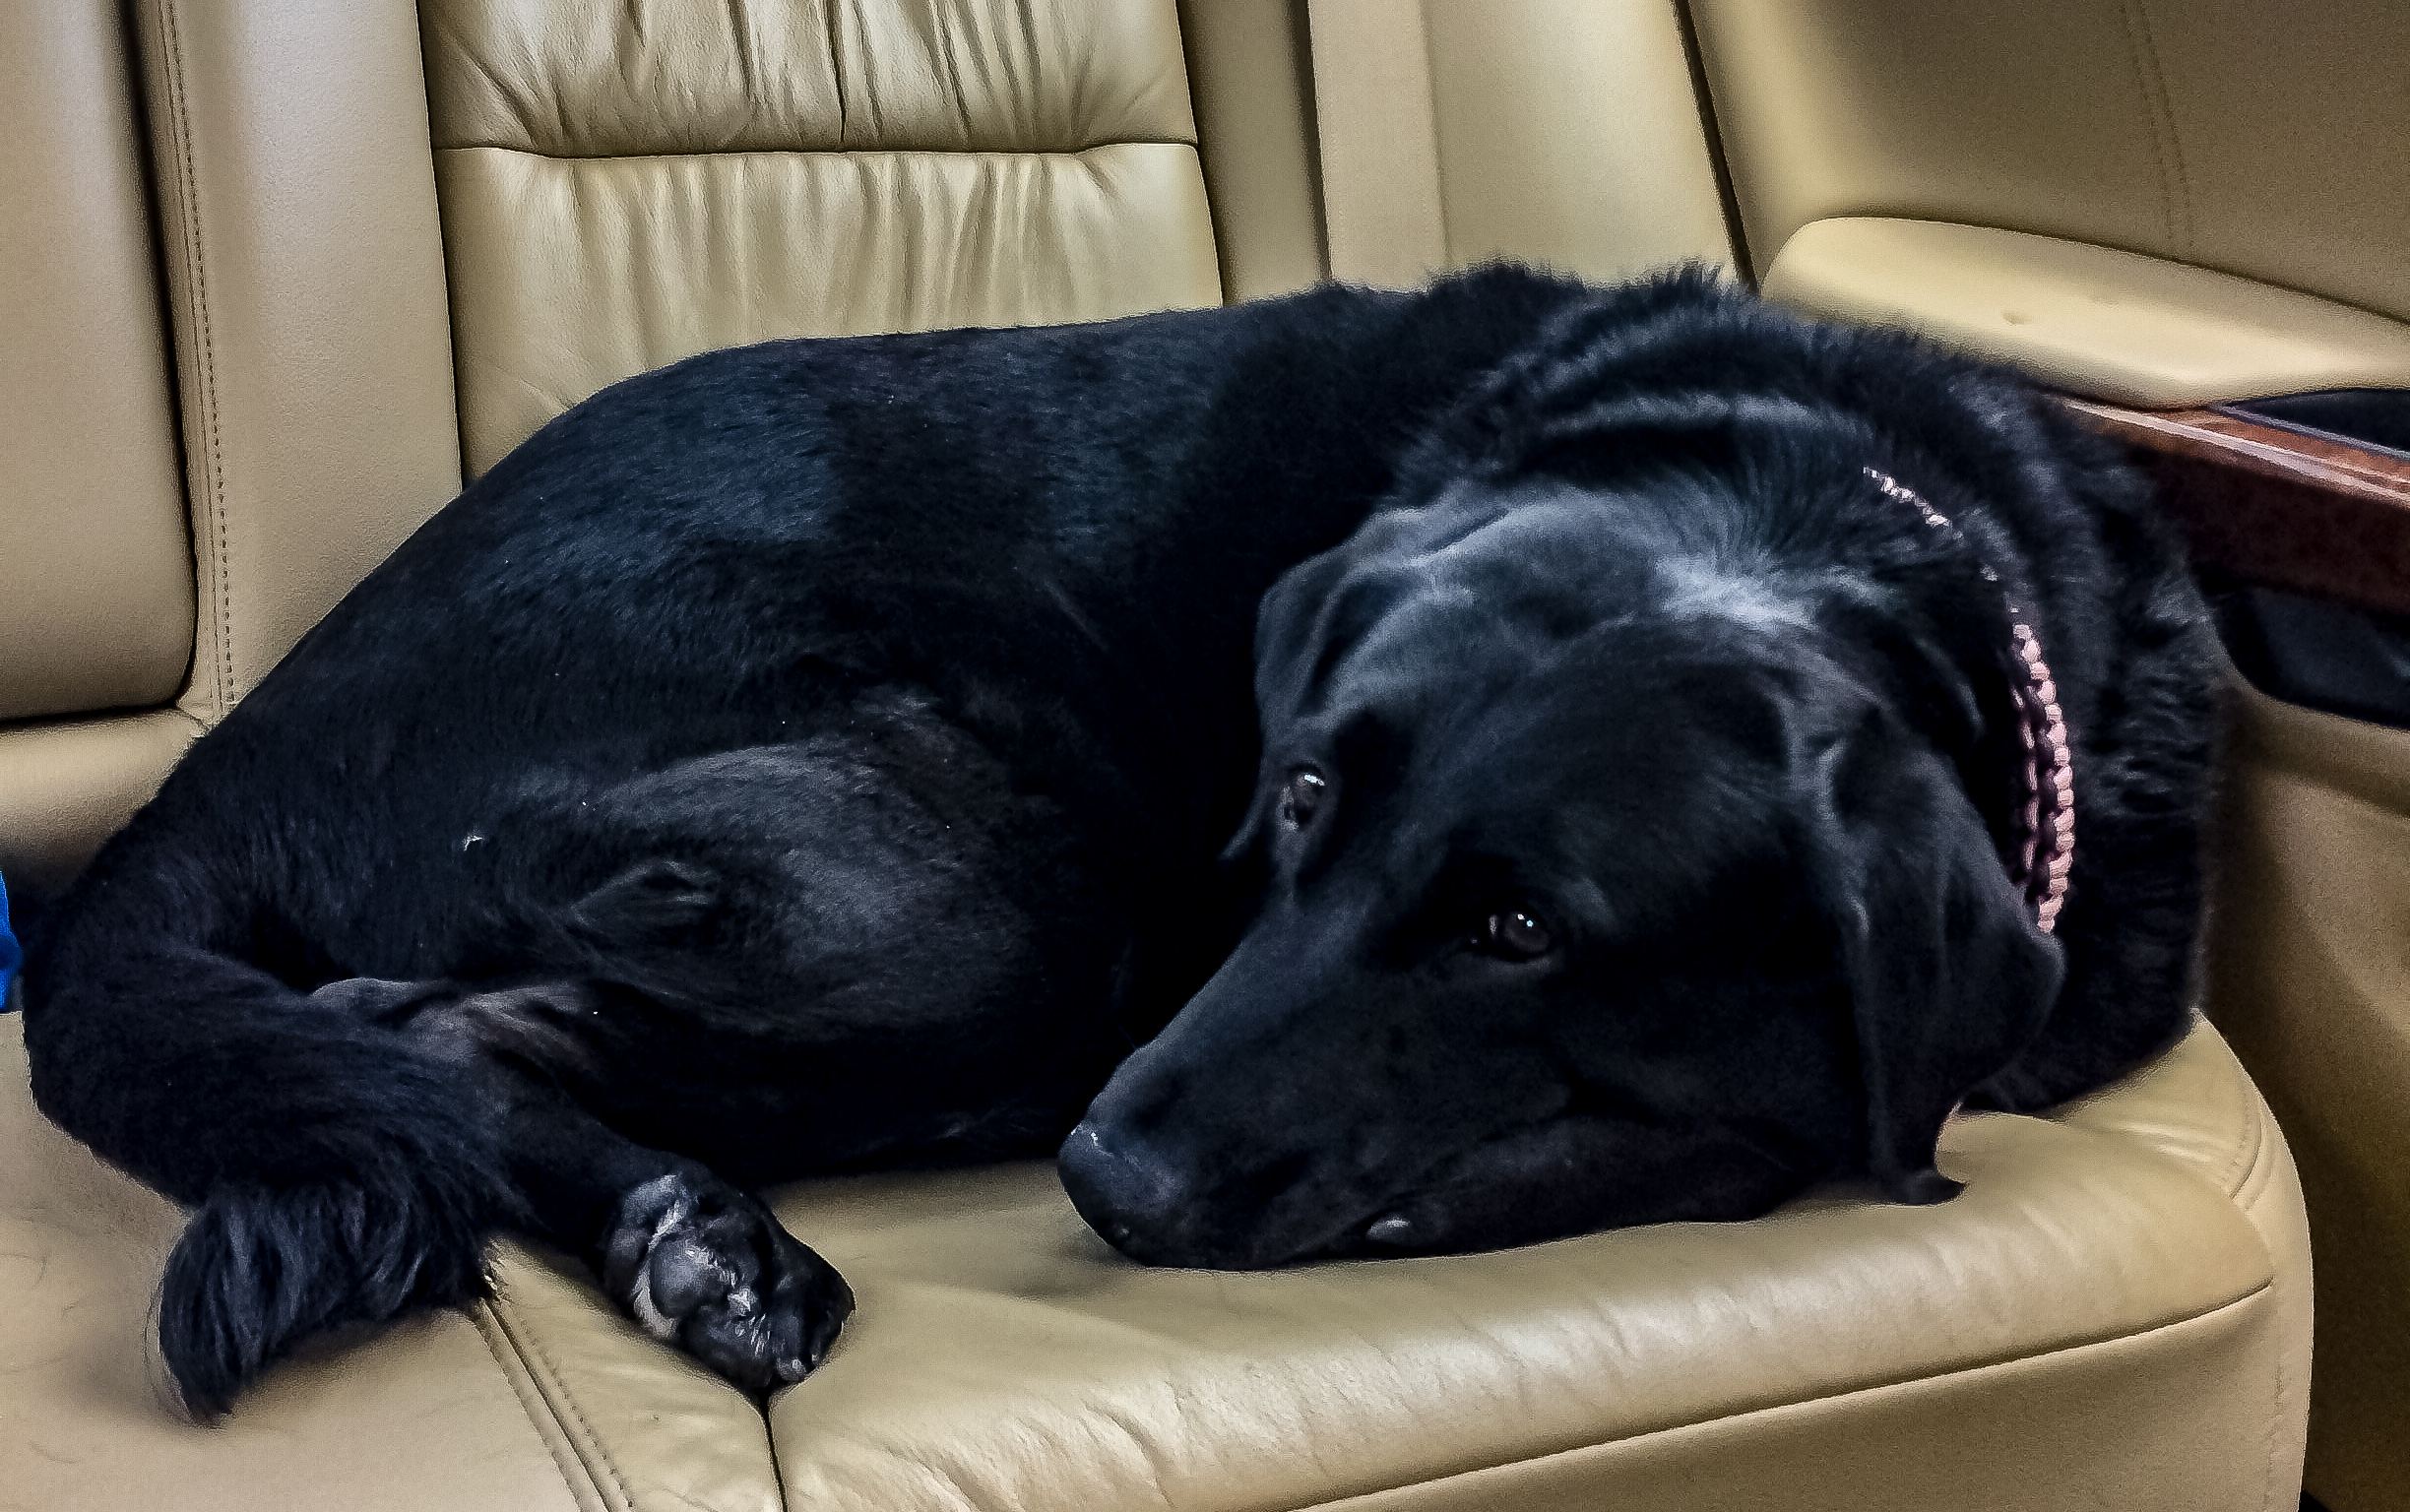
(2250, 1188)
(195, 264)
(2252, 1160)
(497, 1338)
(2166, 104)
(558, 1397)
(2167, 151)
(2275, 1417)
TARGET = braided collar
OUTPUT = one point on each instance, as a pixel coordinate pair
(2043, 850)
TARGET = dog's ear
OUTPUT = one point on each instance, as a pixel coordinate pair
(1294, 629)
(1948, 974)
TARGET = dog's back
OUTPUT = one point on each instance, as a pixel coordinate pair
(1058, 535)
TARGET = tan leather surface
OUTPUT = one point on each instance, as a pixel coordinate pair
(1249, 81)
(636, 1428)
(571, 275)
(2199, 1107)
(95, 573)
(2114, 325)
(68, 784)
(574, 80)
(626, 186)
(2262, 140)
(2310, 977)
(1570, 136)
(2093, 1281)
(1558, 132)
(2096, 1313)
(305, 275)
(1376, 137)
(2167, 1421)
(415, 1418)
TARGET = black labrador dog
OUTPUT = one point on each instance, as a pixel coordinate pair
(1648, 794)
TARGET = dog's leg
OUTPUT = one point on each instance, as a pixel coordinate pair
(697, 1262)
(1575, 1173)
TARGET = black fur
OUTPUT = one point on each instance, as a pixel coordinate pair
(817, 755)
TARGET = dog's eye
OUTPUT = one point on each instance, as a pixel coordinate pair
(1303, 797)
(1515, 935)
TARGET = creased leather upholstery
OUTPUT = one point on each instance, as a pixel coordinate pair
(1004, 1358)
(575, 274)
(573, 80)
(2102, 1314)
(626, 186)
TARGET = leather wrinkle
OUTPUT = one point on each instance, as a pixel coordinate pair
(741, 35)
(1913, 1377)
(524, 1341)
(1869, 1389)
(1072, 154)
(828, 31)
(195, 269)
(476, 59)
(1144, 1443)
(497, 1338)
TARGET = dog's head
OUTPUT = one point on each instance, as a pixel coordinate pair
(1602, 883)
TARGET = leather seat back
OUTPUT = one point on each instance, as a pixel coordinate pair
(622, 187)
(397, 238)
(96, 567)
(96, 583)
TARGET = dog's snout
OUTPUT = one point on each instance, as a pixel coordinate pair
(1130, 1197)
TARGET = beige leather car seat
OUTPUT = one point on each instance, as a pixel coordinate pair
(394, 244)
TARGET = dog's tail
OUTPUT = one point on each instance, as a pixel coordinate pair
(336, 1171)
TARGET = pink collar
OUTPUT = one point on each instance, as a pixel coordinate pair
(2045, 842)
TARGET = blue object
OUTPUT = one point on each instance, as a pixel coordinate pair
(9, 955)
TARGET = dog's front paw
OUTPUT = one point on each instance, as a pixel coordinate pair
(706, 1266)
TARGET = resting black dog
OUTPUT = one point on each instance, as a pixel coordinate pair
(828, 753)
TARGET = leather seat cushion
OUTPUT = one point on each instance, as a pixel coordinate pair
(2124, 1283)
(1004, 1356)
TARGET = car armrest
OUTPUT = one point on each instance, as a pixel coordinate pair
(2108, 325)
(2147, 345)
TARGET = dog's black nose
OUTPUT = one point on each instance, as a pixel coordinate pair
(1134, 1202)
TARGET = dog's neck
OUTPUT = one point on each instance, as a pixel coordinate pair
(2042, 851)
